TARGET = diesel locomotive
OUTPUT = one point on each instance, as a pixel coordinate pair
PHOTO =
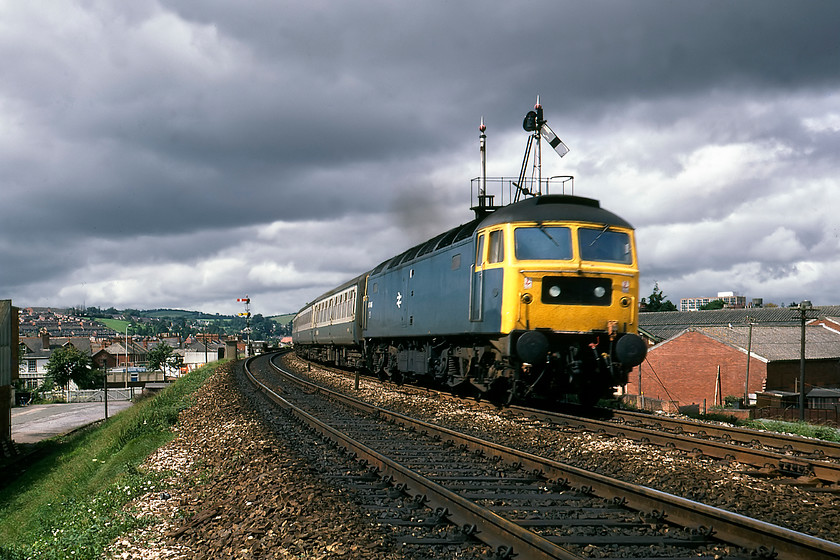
(534, 299)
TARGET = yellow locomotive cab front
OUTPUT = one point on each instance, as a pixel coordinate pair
(570, 277)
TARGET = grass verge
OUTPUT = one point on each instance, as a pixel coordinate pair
(71, 503)
(826, 433)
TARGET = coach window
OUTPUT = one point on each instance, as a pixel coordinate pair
(496, 247)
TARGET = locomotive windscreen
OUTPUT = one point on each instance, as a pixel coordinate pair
(542, 243)
(604, 245)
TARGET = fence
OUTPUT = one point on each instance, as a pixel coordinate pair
(827, 416)
(649, 404)
(92, 395)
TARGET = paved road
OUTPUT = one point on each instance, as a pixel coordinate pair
(35, 422)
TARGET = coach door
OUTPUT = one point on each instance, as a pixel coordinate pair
(477, 281)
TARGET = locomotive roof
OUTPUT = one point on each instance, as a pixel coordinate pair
(555, 207)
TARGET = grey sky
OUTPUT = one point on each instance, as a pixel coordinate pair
(183, 154)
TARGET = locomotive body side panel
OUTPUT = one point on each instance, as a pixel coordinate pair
(426, 297)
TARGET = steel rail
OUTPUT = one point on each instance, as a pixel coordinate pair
(823, 470)
(728, 526)
(492, 529)
(744, 436)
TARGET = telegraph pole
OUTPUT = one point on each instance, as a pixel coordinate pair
(804, 307)
(749, 356)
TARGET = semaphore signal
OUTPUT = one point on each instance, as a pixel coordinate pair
(247, 330)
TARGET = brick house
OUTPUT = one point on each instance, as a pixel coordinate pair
(704, 365)
(37, 352)
(115, 355)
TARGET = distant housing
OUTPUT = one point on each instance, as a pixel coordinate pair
(730, 300)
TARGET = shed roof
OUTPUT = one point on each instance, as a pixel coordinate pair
(778, 343)
(824, 393)
(667, 324)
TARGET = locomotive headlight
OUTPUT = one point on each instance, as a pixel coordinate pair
(599, 291)
(554, 291)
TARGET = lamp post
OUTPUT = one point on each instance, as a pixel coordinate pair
(804, 306)
(105, 378)
(126, 356)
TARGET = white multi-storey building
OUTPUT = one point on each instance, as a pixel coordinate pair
(730, 299)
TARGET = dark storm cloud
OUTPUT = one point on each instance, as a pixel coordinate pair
(183, 133)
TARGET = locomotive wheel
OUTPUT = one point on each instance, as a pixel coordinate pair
(397, 377)
(463, 390)
(512, 393)
(499, 391)
(589, 396)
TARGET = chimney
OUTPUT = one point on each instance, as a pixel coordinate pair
(45, 340)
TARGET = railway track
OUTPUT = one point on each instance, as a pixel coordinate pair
(783, 443)
(525, 505)
(807, 463)
(815, 464)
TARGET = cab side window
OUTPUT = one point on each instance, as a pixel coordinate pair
(496, 247)
(479, 251)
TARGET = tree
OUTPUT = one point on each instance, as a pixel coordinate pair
(716, 304)
(67, 364)
(162, 356)
(657, 302)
